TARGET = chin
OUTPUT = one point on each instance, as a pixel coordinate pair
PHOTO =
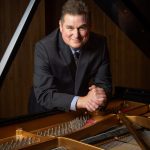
(76, 45)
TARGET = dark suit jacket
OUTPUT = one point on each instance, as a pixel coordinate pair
(57, 79)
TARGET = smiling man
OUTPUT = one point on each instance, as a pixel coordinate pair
(71, 65)
(74, 30)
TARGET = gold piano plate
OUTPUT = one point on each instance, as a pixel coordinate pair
(62, 143)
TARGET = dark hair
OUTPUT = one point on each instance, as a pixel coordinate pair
(75, 7)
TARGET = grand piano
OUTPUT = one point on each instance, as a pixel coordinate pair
(125, 124)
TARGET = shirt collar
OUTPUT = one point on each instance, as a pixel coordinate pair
(73, 50)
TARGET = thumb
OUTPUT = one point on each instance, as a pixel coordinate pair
(92, 87)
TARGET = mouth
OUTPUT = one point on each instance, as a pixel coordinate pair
(76, 40)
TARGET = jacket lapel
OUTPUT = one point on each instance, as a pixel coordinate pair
(77, 72)
(81, 69)
(67, 56)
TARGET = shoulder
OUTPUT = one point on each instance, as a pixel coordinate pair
(96, 42)
(47, 45)
(95, 37)
(50, 40)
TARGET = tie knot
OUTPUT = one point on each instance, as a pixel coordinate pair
(77, 54)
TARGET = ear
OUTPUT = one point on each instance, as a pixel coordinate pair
(60, 25)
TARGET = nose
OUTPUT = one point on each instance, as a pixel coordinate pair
(76, 33)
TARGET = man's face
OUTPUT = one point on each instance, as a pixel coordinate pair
(75, 30)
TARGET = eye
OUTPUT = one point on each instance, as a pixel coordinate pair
(69, 27)
(83, 28)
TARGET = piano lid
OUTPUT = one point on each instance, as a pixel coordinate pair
(132, 17)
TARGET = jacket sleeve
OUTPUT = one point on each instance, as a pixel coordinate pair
(46, 92)
(103, 76)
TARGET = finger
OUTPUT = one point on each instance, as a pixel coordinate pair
(97, 94)
(91, 108)
(101, 101)
(91, 105)
(92, 87)
(100, 96)
(100, 90)
(97, 89)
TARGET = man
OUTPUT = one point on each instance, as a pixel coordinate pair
(62, 81)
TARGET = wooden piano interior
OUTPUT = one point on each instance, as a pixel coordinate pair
(73, 129)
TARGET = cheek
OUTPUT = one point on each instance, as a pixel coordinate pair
(66, 37)
(66, 34)
(84, 34)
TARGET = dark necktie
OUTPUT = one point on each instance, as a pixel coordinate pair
(76, 56)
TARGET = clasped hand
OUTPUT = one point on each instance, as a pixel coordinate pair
(95, 98)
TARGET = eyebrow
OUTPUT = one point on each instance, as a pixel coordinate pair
(82, 26)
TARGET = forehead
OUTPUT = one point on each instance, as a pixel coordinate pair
(74, 19)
